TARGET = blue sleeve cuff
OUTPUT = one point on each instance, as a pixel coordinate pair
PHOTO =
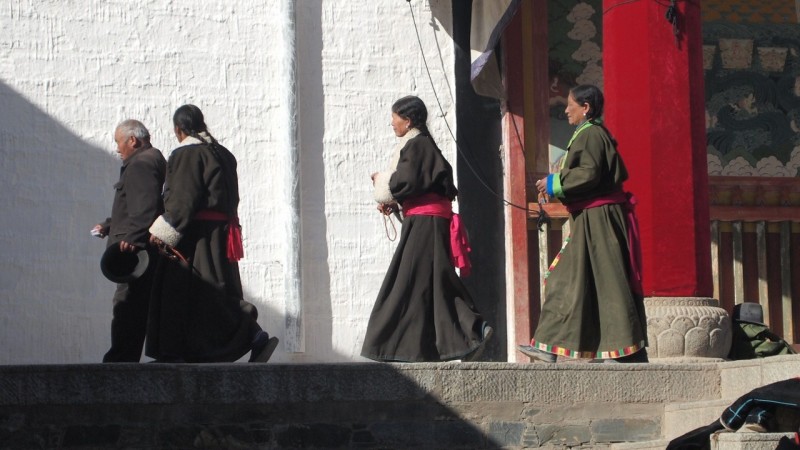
(554, 188)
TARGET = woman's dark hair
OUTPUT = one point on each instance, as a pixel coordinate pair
(413, 109)
(190, 120)
(591, 95)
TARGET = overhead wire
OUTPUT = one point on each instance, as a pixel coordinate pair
(450, 130)
(671, 16)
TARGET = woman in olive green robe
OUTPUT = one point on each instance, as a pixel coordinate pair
(593, 305)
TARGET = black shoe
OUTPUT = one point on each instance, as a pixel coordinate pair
(757, 420)
(789, 443)
(535, 353)
(263, 347)
(488, 331)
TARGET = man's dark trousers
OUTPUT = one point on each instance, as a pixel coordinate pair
(129, 324)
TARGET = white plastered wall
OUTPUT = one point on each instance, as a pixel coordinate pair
(70, 71)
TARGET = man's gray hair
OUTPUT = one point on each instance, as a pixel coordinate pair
(133, 128)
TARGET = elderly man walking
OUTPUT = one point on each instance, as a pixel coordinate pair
(137, 203)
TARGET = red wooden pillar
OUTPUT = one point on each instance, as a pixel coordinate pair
(655, 108)
(525, 139)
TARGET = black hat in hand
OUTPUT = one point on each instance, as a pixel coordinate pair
(123, 267)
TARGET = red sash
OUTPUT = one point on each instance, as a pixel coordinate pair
(628, 202)
(235, 247)
(440, 206)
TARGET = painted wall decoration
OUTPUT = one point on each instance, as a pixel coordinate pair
(575, 55)
(751, 59)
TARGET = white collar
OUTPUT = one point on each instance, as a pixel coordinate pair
(410, 134)
(191, 140)
(401, 142)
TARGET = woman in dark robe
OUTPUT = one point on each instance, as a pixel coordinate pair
(198, 312)
(594, 307)
(423, 311)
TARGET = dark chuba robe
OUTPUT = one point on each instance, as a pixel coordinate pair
(197, 312)
(423, 311)
(589, 309)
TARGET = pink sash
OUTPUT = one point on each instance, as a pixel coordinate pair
(235, 247)
(440, 206)
(628, 202)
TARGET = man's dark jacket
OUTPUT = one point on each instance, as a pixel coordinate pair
(137, 197)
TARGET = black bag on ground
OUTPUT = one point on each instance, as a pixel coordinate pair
(752, 338)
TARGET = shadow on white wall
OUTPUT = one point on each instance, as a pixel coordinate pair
(54, 303)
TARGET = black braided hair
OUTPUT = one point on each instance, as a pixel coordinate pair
(588, 94)
(413, 109)
(591, 95)
(190, 120)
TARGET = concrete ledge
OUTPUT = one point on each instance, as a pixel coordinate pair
(450, 405)
(660, 444)
(747, 441)
(447, 405)
(680, 418)
(741, 377)
(447, 382)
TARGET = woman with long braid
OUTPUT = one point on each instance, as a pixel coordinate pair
(197, 312)
(423, 311)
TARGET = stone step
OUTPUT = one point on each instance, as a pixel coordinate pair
(740, 377)
(424, 406)
(736, 379)
(680, 418)
(645, 445)
(747, 441)
(719, 441)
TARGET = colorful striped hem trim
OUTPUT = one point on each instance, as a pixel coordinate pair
(555, 260)
(575, 354)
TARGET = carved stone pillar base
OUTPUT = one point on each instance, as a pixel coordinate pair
(687, 328)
